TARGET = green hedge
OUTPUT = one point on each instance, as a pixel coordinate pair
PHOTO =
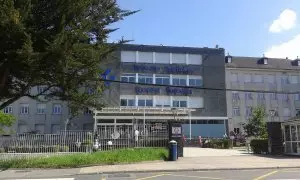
(259, 146)
(218, 144)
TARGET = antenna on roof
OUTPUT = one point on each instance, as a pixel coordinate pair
(287, 58)
(217, 46)
(263, 55)
(228, 54)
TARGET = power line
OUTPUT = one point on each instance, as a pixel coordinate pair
(200, 88)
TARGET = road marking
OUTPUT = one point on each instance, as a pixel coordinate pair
(198, 177)
(150, 177)
(49, 179)
(265, 175)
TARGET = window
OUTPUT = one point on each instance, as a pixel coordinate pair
(88, 111)
(163, 101)
(146, 79)
(41, 89)
(196, 102)
(163, 80)
(195, 59)
(179, 80)
(145, 102)
(41, 108)
(128, 56)
(235, 96)
(178, 58)
(285, 97)
(177, 103)
(294, 79)
(248, 96)
(234, 77)
(260, 96)
(258, 78)
(236, 111)
(127, 102)
(163, 58)
(248, 111)
(8, 110)
(271, 79)
(145, 57)
(297, 97)
(128, 78)
(24, 108)
(286, 112)
(298, 113)
(194, 81)
(236, 130)
(284, 80)
(273, 96)
(247, 78)
(56, 109)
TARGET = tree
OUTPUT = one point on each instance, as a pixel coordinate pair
(256, 125)
(6, 120)
(48, 43)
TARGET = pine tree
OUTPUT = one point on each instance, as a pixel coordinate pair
(47, 43)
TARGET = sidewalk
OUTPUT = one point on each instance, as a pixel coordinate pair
(201, 163)
(183, 164)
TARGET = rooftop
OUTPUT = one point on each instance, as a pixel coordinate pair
(252, 62)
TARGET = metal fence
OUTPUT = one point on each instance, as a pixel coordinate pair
(69, 142)
(126, 136)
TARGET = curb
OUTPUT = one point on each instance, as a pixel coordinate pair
(187, 170)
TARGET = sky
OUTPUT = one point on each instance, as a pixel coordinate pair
(242, 28)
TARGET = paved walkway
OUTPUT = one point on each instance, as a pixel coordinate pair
(200, 152)
(201, 163)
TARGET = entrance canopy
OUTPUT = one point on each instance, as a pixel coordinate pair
(141, 113)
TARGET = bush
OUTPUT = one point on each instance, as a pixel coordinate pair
(218, 144)
(259, 146)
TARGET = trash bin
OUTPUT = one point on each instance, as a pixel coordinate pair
(172, 150)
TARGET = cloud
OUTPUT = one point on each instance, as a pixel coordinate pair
(285, 21)
(287, 49)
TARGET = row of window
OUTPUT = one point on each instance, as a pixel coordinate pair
(40, 109)
(262, 96)
(161, 101)
(248, 111)
(149, 103)
(177, 80)
(255, 78)
(161, 58)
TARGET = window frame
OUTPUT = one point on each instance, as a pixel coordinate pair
(235, 110)
(163, 78)
(146, 77)
(128, 76)
(127, 102)
(54, 109)
(37, 108)
(23, 108)
(195, 84)
(8, 110)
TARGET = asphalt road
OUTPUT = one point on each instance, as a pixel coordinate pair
(267, 174)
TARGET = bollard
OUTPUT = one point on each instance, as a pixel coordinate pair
(172, 150)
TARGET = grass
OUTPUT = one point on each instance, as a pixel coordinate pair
(97, 158)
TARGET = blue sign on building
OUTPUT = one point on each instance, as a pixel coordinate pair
(105, 76)
(147, 90)
(180, 91)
